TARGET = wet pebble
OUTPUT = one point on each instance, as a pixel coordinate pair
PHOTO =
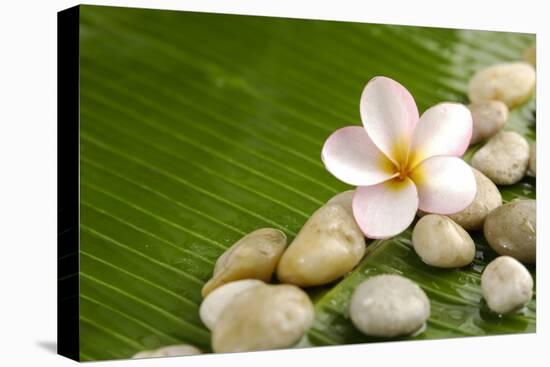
(487, 199)
(511, 229)
(345, 199)
(214, 304)
(488, 117)
(511, 83)
(388, 306)
(442, 243)
(329, 245)
(255, 256)
(263, 317)
(506, 285)
(504, 158)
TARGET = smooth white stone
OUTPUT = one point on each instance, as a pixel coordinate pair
(506, 285)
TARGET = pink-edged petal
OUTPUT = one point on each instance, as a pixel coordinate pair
(444, 129)
(445, 184)
(351, 156)
(386, 209)
(389, 114)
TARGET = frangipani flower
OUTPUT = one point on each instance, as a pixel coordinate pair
(401, 162)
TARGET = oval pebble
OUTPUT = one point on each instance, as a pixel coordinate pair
(511, 229)
(329, 245)
(488, 118)
(263, 317)
(504, 158)
(255, 256)
(442, 243)
(487, 199)
(345, 199)
(511, 83)
(169, 351)
(506, 285)
(389, 306)
(214, 304)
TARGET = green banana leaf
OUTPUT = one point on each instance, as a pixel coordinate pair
(198, 128)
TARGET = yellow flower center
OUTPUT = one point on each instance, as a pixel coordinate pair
(403, 169)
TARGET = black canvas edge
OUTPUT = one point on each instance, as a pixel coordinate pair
(68, 193)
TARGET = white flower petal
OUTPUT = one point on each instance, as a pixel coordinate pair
(351, 156)
(444, 129)
(389, 114)
(445, 184)
(386, 209)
